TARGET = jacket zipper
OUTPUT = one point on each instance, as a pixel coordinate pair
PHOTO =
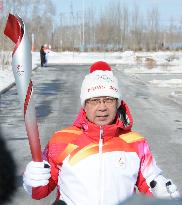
(100, 141)
(101, 185)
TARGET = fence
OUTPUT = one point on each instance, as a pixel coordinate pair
(5, 59)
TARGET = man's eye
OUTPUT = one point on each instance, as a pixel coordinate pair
(109, 99)
(95, 100)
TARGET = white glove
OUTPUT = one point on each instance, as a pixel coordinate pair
(164, 188)
(36, 174)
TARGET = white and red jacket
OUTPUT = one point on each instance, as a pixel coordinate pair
(93, 165)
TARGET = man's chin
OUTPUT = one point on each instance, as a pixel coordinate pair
(102, 122)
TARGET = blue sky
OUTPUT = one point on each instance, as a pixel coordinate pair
(167, 8)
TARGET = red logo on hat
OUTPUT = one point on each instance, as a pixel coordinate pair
(113, 88)
(98, 87)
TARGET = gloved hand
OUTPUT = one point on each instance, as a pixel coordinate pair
(164, 188)
(36, 174)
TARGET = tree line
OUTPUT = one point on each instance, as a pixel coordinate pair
(115, 27)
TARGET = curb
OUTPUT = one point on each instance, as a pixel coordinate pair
(13, 84)
(7, 88)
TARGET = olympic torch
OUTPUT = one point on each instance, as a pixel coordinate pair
(22, 68)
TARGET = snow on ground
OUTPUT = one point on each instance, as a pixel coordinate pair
(136, 63)
(175, 83)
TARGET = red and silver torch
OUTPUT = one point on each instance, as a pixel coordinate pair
(22, 68)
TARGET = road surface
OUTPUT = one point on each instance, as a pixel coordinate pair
(56, 95)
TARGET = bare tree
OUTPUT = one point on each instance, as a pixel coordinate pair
(153, 29)
(124, 26)
(114, 27)
(136, 29)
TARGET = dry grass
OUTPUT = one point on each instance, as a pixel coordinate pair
(150, 62)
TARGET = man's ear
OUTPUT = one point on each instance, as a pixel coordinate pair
(85, 108)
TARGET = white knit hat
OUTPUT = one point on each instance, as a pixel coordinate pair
(99, 82)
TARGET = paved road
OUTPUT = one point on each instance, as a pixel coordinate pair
(56, 93)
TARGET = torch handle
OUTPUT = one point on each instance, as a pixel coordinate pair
(34, 142)
(33, 132)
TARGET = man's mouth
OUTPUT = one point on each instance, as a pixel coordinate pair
(102, 117)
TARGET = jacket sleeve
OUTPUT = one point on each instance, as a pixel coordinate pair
(43, 191)
(148, 169)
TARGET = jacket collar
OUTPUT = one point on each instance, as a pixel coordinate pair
(123, 124)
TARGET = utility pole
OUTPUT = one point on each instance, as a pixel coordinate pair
(83, 25)
(33, 42)
(52, 36)
(61, 31)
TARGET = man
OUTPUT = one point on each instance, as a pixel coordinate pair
(42, 56)
(46, 50)
(98, 160)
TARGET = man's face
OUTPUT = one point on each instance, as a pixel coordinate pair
(101, 110)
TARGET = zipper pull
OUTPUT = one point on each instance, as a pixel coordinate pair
(101, 133)
(101, 140)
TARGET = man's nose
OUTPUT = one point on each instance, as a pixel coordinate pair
(102, 105)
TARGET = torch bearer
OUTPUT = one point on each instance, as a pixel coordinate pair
(22, 68)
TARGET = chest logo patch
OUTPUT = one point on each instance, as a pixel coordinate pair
(122, 162)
